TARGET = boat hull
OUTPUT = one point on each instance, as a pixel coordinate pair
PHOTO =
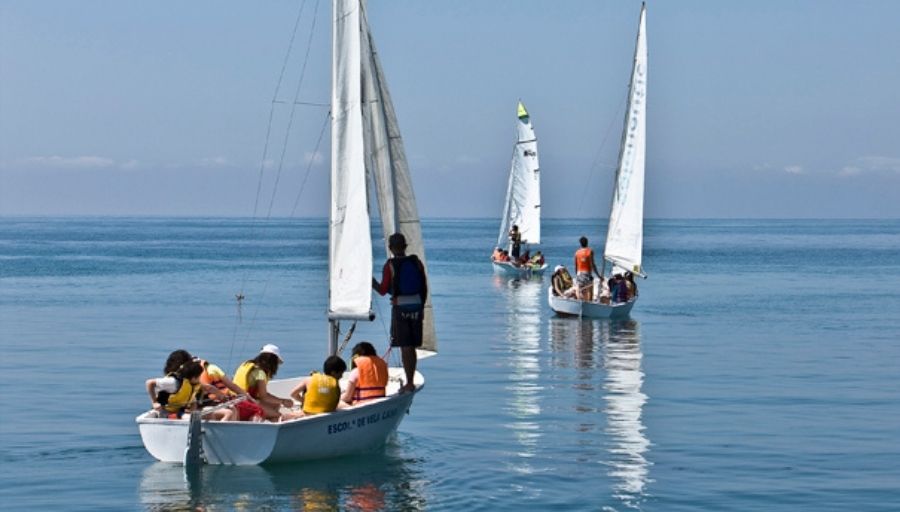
(524, 272)
(356, 429)
(573, 307)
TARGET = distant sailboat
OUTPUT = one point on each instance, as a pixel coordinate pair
(625, 234)
(365, 142)
(523, 200)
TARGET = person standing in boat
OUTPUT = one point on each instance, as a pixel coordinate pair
(585, 268)
(404, 277)
(515, 241)
(253, 377)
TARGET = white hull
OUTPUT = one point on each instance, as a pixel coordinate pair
(524, 272)
(574, 307)
(353, 430)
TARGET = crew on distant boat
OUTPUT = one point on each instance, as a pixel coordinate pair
(320, 392)
(498, 253)
(515, 240)
(253, 376)
(585, 268)
(563, 286)
(404, 276)
(369, 377)
(176, 393)
(537, 260)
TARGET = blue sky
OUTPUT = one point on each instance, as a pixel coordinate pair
(755, 109)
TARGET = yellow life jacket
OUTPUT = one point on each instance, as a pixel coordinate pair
(242, 378)
(181, 398)
(322, 394)
(373, 377)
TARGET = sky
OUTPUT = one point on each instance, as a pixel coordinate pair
(763, 109)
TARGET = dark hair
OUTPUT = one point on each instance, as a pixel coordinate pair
(175, 360)
(363, 348)
(515, 226)
(189, 370)
(397, 240)
(267, 362)
(334, 365)
(583, 241)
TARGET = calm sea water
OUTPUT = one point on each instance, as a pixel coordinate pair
(759, 371)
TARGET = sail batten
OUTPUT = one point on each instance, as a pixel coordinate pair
(624, 238)
(523, 193)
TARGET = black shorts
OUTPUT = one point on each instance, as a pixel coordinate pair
(406, 327)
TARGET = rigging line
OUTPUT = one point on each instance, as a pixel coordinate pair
(310, 163)
(597, 155)
(252, 321)
(287, 132)
(304, 103)
(287, 57)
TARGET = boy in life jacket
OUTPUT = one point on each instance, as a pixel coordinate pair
(369, 375)
(404, 276)
(585, 268)
(218, 389)
(176, 393)
(253, 377)
(320, 392)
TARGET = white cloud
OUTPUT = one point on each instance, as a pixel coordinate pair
(869, 164)
(311, 157)
(61, 162)
(214, 161)
(794, 169)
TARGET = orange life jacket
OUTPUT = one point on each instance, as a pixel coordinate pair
(583, 259)
(373, 377)
(205, 378)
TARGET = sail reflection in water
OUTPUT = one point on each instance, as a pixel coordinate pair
(624, 404)
(365, 483)
(523, 393)
(615, 347)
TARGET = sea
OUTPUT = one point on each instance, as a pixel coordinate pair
(759, 370)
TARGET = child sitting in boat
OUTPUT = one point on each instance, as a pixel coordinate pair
(320, 392)
(537, 260)
(176, 393)
(369, 375)
(498, 252)
(563, 286)
(253, 376)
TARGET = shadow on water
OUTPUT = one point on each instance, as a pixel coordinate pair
(614, 347)
(370, 482)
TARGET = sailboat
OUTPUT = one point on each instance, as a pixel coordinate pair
(366, 148)
(625, 234)
(523, 198)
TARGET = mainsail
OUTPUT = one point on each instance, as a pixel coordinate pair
(386, 161)
(625, 237)
(350, 244)
(523, 193)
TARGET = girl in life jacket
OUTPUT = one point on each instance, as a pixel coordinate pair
(253, 376)
(176, 393)
(369, 376)
(320, 392)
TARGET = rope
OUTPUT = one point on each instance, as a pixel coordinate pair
(309, 164)
(347, 338)
(596, 161)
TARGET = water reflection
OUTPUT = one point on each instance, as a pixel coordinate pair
(523, 335)
(366, 483)
(579, 344)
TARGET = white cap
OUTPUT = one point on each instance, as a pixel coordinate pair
(558, 268)
(272, 349)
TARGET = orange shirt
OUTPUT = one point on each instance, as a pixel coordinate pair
(583, 259)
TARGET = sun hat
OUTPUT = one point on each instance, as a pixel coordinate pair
(558, 268)
(272, 349)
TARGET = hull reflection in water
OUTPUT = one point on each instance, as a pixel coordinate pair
(613, 346)
(523, 335)
(369, 483)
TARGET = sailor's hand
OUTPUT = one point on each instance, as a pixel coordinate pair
(287, 402)
(156, 405)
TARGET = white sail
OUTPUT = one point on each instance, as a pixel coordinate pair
(350, 244)
(388, 166)
(523, 193)
(625, 237)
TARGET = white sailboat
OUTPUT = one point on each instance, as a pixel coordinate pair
(625, 235)
(523, 198)
(365, 143)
